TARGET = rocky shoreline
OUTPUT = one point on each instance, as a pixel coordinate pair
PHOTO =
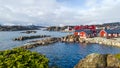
(98, 40)
(99, 61)
(104, 41)
(92, 60)
(30, 37)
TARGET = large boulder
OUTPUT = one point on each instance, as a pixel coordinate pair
(92, 61)
(70, 38)
(99, 61)
(112, 61)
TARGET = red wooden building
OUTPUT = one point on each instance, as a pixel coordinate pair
(84, 33)
(109, 33)
(91, 27)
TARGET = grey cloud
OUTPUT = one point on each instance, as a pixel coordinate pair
(54, 13)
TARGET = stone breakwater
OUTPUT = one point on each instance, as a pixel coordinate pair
(41, 43)
(98, 40)
(30, 37)
(99, 61)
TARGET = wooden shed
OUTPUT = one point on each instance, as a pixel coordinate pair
(103, 33)
(109, 33)
(83, 33)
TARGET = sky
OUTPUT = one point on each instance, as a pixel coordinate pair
(59, 12)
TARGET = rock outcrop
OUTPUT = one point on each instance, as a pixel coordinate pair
(57, 28)
(112, 61)
(54, 28)
(99, 61)
(72, 38)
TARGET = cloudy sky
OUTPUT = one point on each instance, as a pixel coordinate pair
(59, 12)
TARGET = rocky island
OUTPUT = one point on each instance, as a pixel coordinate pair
(29, 31)
(30, 37)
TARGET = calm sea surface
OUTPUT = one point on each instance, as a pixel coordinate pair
(6, 38)
(62, 55)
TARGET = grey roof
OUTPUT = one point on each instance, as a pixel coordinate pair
(87, 31)
(113, 31)
(107, 30)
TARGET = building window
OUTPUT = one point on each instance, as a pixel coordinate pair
(84, 35)
(113, 34)
(104, 35)
(80, 34)
(109, 34)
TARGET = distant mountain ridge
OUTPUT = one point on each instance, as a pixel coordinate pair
(18, 28)
(50, 28)
(112, 24)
